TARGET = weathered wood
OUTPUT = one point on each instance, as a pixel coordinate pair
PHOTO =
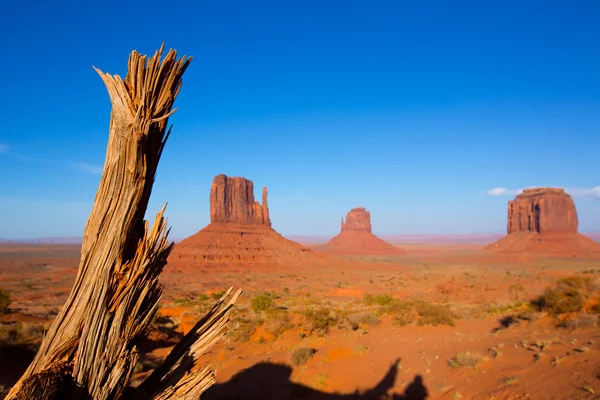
(89, 351)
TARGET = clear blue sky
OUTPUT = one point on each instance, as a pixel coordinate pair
(413, 109)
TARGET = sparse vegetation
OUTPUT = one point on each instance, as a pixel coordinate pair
(567, 296)
(419, 312)
(262, 302)
(302, 355)
(5, 300)
(465, 360)
(378, 299)
(515, 291)
(321, 319)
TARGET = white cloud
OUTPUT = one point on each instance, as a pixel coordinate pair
(586, 193)
(504, 192)
(91, 168)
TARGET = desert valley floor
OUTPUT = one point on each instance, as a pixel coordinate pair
(445, 321)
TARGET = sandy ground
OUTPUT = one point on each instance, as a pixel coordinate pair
(527, 359)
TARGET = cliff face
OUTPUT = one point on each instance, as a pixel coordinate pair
(240, 235)
(232, 201)
(543, 222)
(357, 219)
(542, 210)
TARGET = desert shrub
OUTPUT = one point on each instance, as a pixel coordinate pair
(367, 318)
(353, 321)
(302, 355)
(321, 319)
(240, 329)
(573, 282)
(420, 312)
(378, 299)
(515, 290)
(502, 309)
(465, 360)
(182, 301)
(277, 322)
(22, 334)
(581, 321)
(433, 314)
(262, 302)
(4, 300)
(202, 297)
(568, 295)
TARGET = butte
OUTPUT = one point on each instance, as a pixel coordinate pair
(239, 234)
(356, 237)
(543, 222)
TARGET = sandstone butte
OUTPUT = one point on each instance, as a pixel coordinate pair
(356, 237)
(543, 222)
(239, 233)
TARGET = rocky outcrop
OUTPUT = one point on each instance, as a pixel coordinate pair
(357, 219)
(542, 210)
(239, 236)
(232, 201)
(356, 237)
(543, 222)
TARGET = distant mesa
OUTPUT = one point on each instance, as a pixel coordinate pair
(356, 237)
(358, 219)
(543, 222)
(239, 234)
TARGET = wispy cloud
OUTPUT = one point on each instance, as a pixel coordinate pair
(81, 166)
(586, 193)
(504, 192)
(91, 168)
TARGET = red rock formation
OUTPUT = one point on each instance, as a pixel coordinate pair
(239, 235)
(232, 201)
(542, 210)
(356, 237)
(358, 219)
(543, 222)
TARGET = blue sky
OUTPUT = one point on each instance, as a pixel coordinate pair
(414, 110)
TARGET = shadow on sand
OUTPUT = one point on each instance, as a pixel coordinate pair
(267, 381)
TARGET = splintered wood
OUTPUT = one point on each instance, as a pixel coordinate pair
(89, 352)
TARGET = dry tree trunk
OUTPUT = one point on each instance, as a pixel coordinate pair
(89, 351)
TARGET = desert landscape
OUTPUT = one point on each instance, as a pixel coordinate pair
(458, 143)
(356, 317)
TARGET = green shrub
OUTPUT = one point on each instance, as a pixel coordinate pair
(202, 297)
(262, 302)
(4, 300)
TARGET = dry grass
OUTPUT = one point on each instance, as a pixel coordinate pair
(465, 360)
(5, 300)
(302, 355)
